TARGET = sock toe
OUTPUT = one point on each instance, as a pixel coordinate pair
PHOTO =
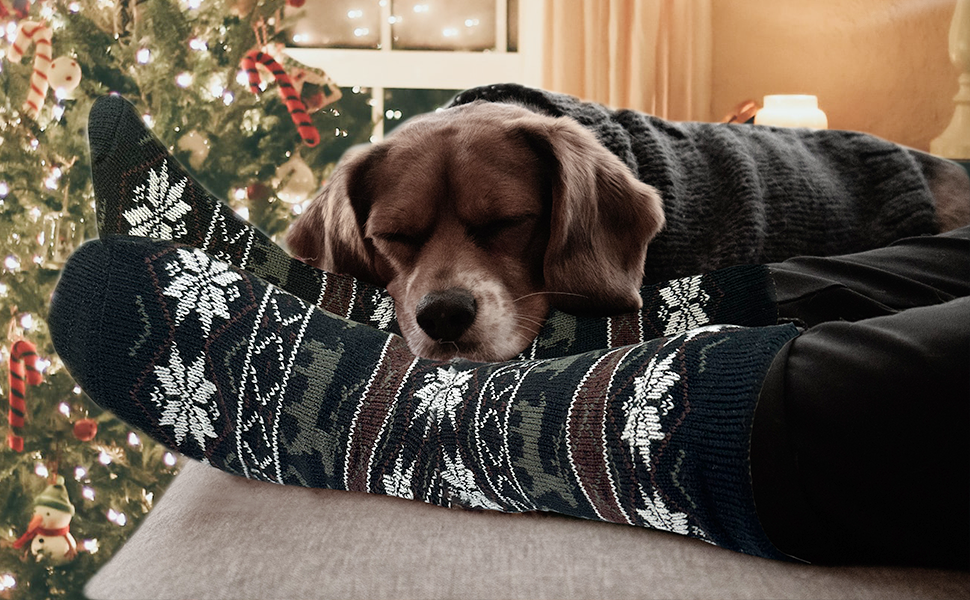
(75, 311)
(103, 122)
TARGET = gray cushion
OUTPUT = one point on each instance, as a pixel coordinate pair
(214, 535)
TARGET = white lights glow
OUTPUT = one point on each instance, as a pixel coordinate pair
(133, 439)
(243, 212)
(355, 14)
(65, 409)
(449, 32)
(300, 38)
(421, 8)
(77, 389)
(74, 7)
(242, 78)
(11, 263)
(228, 98)
(361, 31)
(40, 469)
(80, 473)
(118, 518)
(7, 582)
(149, 121)
(91, 546)
(104, 458)
(169, 459)
(216, 89)
(144, 56)
(4, 189)
(197, 44)
(183, 79)
(88, 493)
(27, 321)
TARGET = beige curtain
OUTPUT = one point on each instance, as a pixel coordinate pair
(648, 55)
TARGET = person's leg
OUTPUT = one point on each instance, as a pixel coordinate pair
(861, 441)
(214, 362)
(919, 271)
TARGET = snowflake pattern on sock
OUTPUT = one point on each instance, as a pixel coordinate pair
(185, 397)
(202, 285)
(649, 404)
(684, 305)
(158, 207)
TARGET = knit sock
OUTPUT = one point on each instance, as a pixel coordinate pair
(142, 190)
(225, 368)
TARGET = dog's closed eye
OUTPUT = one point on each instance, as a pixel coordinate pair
(408, 240)
(502, 233)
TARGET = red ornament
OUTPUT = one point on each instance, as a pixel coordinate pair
(86, 429)
(295, 3)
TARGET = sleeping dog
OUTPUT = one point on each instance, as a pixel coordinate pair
(481, 217)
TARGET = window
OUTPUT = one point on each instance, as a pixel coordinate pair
(414, 55)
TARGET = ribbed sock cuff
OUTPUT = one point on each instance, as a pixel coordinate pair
(723, 397)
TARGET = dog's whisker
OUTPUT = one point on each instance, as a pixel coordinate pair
(530, 320)
(521, 327)
(539, 293)
(528, 338)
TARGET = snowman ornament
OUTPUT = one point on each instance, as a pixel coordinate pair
(49, 532)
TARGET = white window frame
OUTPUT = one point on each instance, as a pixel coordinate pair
(435, 69)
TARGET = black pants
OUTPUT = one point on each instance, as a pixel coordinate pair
(861, 441)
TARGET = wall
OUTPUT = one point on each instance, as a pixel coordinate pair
(879, 66)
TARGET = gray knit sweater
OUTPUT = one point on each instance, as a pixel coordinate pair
(736, 194)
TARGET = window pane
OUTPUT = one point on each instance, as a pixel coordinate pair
(348, 120)
(337, 24)
(400, 105)
(443, 25)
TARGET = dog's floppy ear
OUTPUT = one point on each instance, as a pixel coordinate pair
(601, 220)
(329, 234)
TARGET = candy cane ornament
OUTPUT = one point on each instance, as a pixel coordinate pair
(23, 371)
(41, 36)
(295, 106)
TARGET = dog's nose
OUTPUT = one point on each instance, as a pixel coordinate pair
(446, 314)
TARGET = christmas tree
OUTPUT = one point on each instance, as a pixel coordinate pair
(183, 64)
